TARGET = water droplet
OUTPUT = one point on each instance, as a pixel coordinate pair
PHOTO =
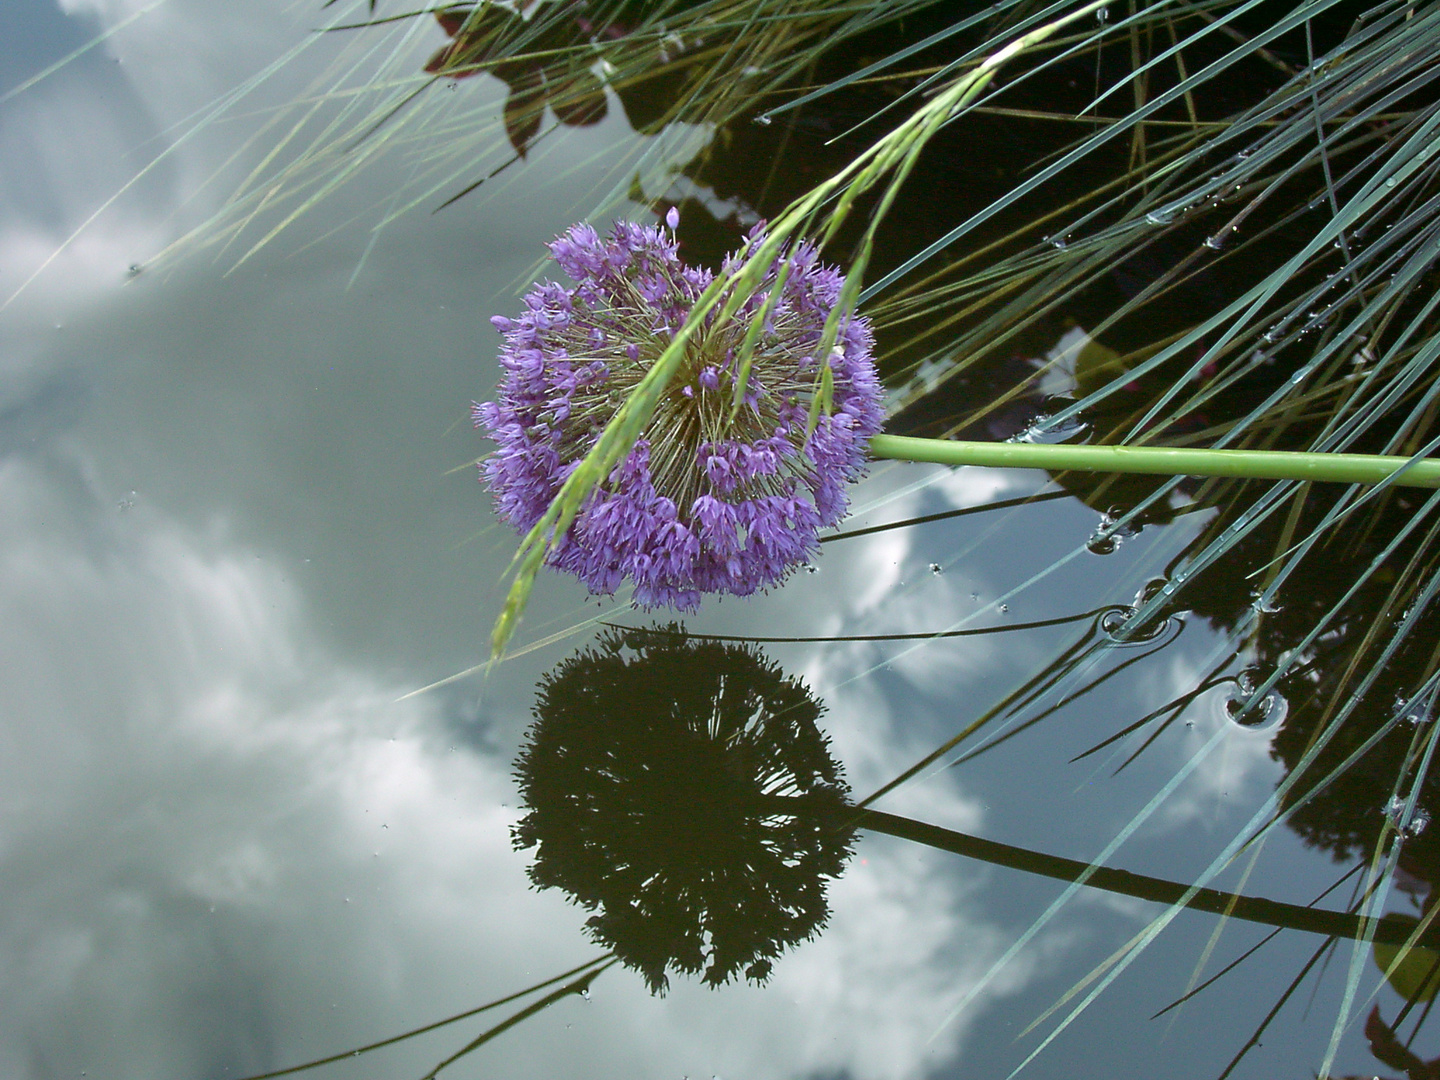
(936, 568)
(585, 993)
(811, 568)
(1159, 217)
(1216, 242)
(1059, 243)
(763, 120)
(1391, 182)
(1004, 609)
(1103, 15)
(133, 270)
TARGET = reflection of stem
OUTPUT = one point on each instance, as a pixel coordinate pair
(579, 986)
(1251, 908)
(571, 988)
(1164, 460)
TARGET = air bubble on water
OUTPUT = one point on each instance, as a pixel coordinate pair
(1114, 623)
(1395, 811)
(1266, 713)
(1004, 609)
(1108, 536)
(1155, 587)
(1262, 604)
(936, 568)
(1044, 429)
(1101, 543)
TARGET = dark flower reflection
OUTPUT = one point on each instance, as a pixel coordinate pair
(647, 775)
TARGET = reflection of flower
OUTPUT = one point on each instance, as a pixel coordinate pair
(705, 502)
(642, 775)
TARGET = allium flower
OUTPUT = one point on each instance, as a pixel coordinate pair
(651, 780)
(703, 503)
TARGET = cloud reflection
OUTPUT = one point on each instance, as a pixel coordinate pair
(239, 851)
(224, 845)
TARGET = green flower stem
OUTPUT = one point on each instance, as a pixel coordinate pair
(1164, 461)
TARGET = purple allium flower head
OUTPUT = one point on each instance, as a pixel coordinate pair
(702, 503)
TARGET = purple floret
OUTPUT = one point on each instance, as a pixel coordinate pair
(702, 503)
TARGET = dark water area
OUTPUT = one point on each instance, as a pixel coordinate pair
(264, 802)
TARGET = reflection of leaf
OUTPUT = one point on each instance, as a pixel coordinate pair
(523, 110)
(643, 776)
(578, 99)
(451, 19)
(1417, 975)
(1389, 1050)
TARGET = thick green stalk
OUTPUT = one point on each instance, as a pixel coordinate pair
(1164, 461)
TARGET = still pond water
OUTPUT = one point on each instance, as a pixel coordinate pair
(241, 526)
